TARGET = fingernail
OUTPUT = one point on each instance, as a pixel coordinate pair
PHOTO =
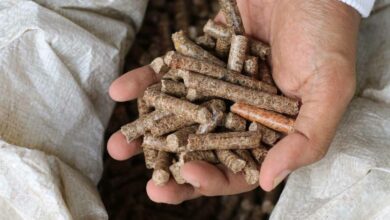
(190, 180)
(280, 178)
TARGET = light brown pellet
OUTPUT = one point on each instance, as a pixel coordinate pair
(251, 169)
(175, 171)
(194, 95)
(224, 141)
(237, 93)
(230, 160)
(161, 168)
(158, 66)
(237, 55)
(234, 122)
(265, 73)
(178, 139)
(217, 108)
(206, 155)
(142, 107)
(217, 30)
(138, 127)
(173, 88)
(269, 136)
(150, 156)
(232, 15)
(174, 74)
(259, 153)
(159, 143)
(178, 61)
(259, 49)
(169, 124)
(222, 47)
(187, 47)
(179, 107)
(251, 67)
(206, 41)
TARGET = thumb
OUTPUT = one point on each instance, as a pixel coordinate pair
(322, 108)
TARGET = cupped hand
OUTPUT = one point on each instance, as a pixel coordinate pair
(313, 58)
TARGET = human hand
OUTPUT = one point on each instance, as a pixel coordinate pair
(313, 57)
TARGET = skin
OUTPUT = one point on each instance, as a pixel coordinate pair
(313, 58)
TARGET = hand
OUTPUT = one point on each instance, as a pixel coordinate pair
(313, 57)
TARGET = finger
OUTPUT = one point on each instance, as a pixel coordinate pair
(132, 84)
(209, 180)
(119, 149)
(315, 127)
(171, 193)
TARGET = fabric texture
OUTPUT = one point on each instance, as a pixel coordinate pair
(364, 7)
(352, 181)
(57, 60)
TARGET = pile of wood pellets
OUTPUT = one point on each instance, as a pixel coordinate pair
(210, 91)
(216, 102)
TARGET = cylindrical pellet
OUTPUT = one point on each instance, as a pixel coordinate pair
(234, 122)
(150, 156)
(265, 73)
(175, 171)
(173, 88)
(159, 143)
(158, 66)
(206, 41)
(251, 67)
(237, 55)
(269, 136)
(194, 95)
(237, 93)
(223, 141)
(161, 168)
(206, 155)
(259, 153)
(217, 30)
(251, 169)
(178, 61)
(169, 124)
(174, 75)
(232, 15)
(142, 107)
(230, 160)
(275, 121)
(138, 127)
(259, 49)
(222, 47)
(179, 107)
(178, 139)
(217, 107)
(187, 47)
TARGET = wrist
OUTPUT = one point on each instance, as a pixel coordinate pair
(364, 7)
